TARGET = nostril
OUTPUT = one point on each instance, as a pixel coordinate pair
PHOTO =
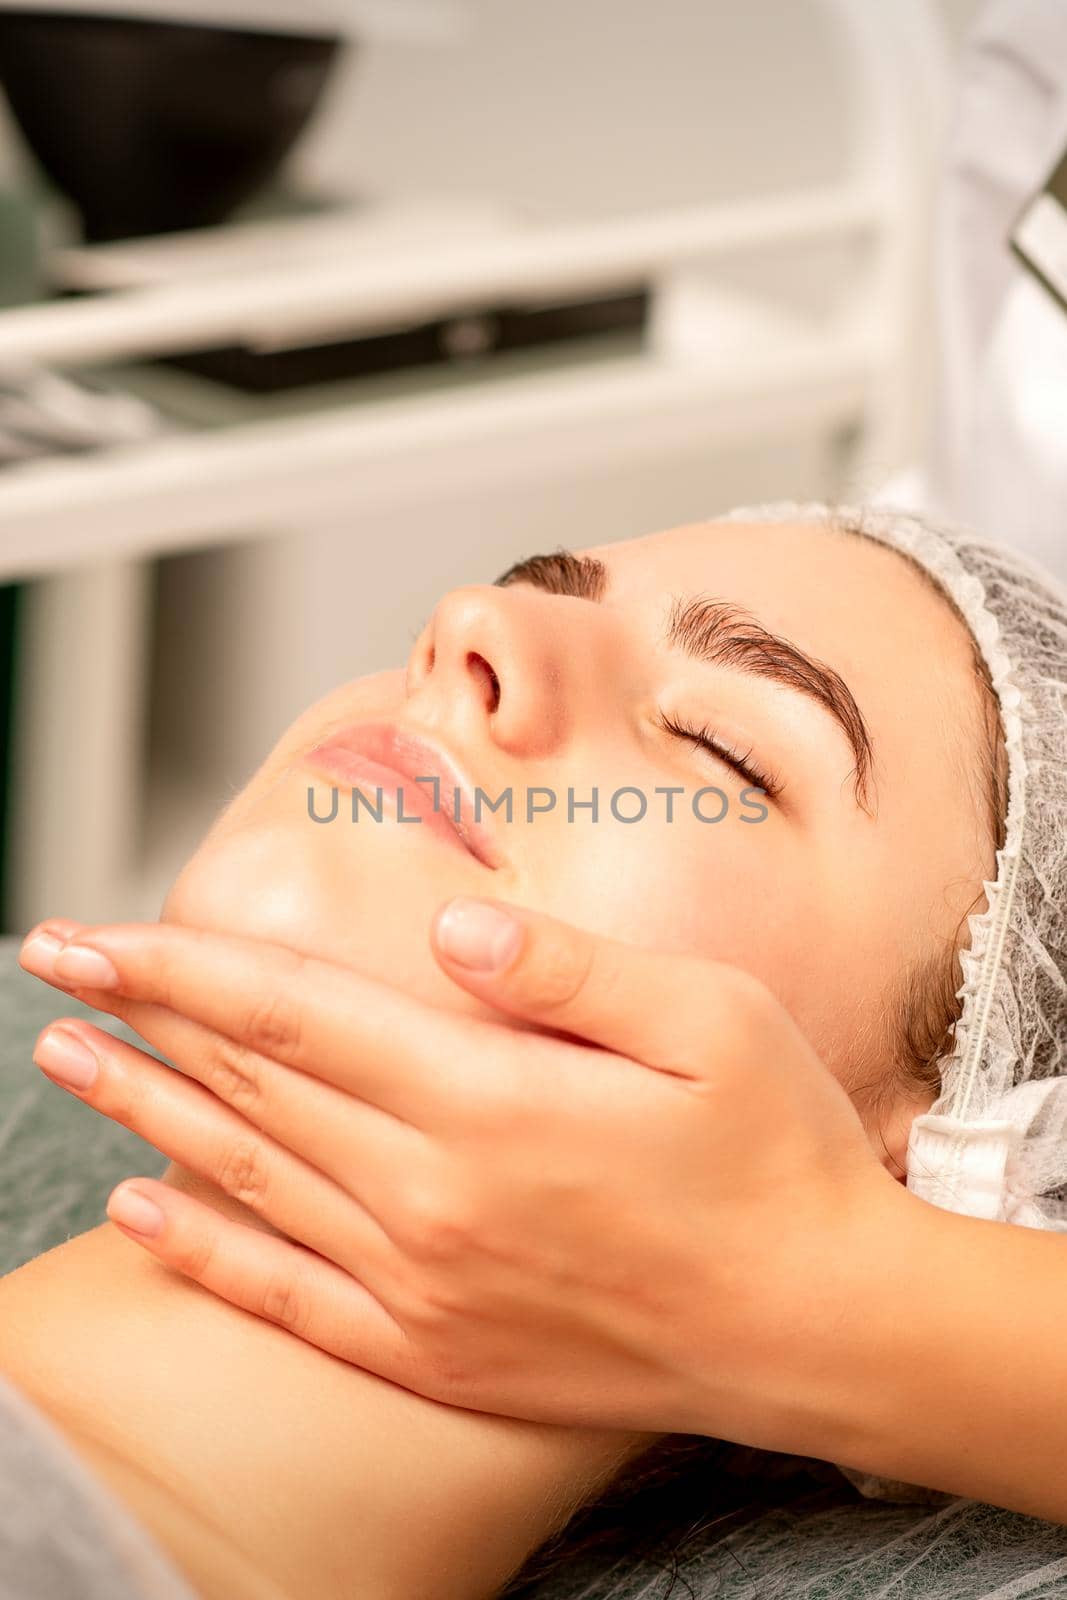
(480, 667)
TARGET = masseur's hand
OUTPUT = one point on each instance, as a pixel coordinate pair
(662, 1214)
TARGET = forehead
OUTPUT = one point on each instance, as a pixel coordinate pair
(856, 605)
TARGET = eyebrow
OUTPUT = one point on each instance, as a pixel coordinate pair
(721, 634)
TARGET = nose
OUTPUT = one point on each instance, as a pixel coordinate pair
(492, 660)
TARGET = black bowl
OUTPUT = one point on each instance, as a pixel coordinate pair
(150, 127)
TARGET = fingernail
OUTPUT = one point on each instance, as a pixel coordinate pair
(90, 969)
(478, 936)
(132, 1209)
(38, 954)
(66, 1059)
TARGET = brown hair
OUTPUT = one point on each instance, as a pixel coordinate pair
(923, 1010)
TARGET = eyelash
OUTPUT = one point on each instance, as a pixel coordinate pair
(705, 739)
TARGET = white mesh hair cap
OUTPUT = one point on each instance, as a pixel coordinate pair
(994, 1143)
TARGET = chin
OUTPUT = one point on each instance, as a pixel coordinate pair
(271, 882)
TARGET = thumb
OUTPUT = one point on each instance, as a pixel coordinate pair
(665, 1009)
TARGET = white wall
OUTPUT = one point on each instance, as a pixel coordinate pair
(656, 122)
(609, 105)
(528, 58)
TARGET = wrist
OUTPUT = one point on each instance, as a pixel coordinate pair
(805, 1373)
(873, 1335)
(956, 1384)
(930, 1387)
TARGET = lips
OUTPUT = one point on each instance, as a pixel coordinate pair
(372, 756)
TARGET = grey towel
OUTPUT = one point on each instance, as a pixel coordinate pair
(58, 1159)
(62, 1535)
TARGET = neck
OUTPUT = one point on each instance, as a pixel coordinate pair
(266, 1468)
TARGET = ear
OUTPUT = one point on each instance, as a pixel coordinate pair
(890, 1126)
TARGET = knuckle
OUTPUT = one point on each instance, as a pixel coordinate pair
(242, 1173)
(284, 1303)
(417, 1309)
(747, 1003)
(124, 1010)
(164, 973)
(195, 1256)
(437, 1227)
(233, 1074)
(447, 1376)
(560, 974)
(432, 1302)
(272, 1027)
(127, 1096)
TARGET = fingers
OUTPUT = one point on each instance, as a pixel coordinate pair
(272, 1278)
(189, 1125)
(662, 1008)
(357, 1145)
(360, 1035)
(61, 928)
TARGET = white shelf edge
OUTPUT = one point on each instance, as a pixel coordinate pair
(212, 487)
(348, 296)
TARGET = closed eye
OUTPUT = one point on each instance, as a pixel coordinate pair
(705, 738)
(723, 634)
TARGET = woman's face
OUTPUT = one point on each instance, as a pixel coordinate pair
(573, 678)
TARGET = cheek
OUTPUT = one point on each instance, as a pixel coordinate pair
(746, 899)
(271, 883)
(681, 886)
(234, 885)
